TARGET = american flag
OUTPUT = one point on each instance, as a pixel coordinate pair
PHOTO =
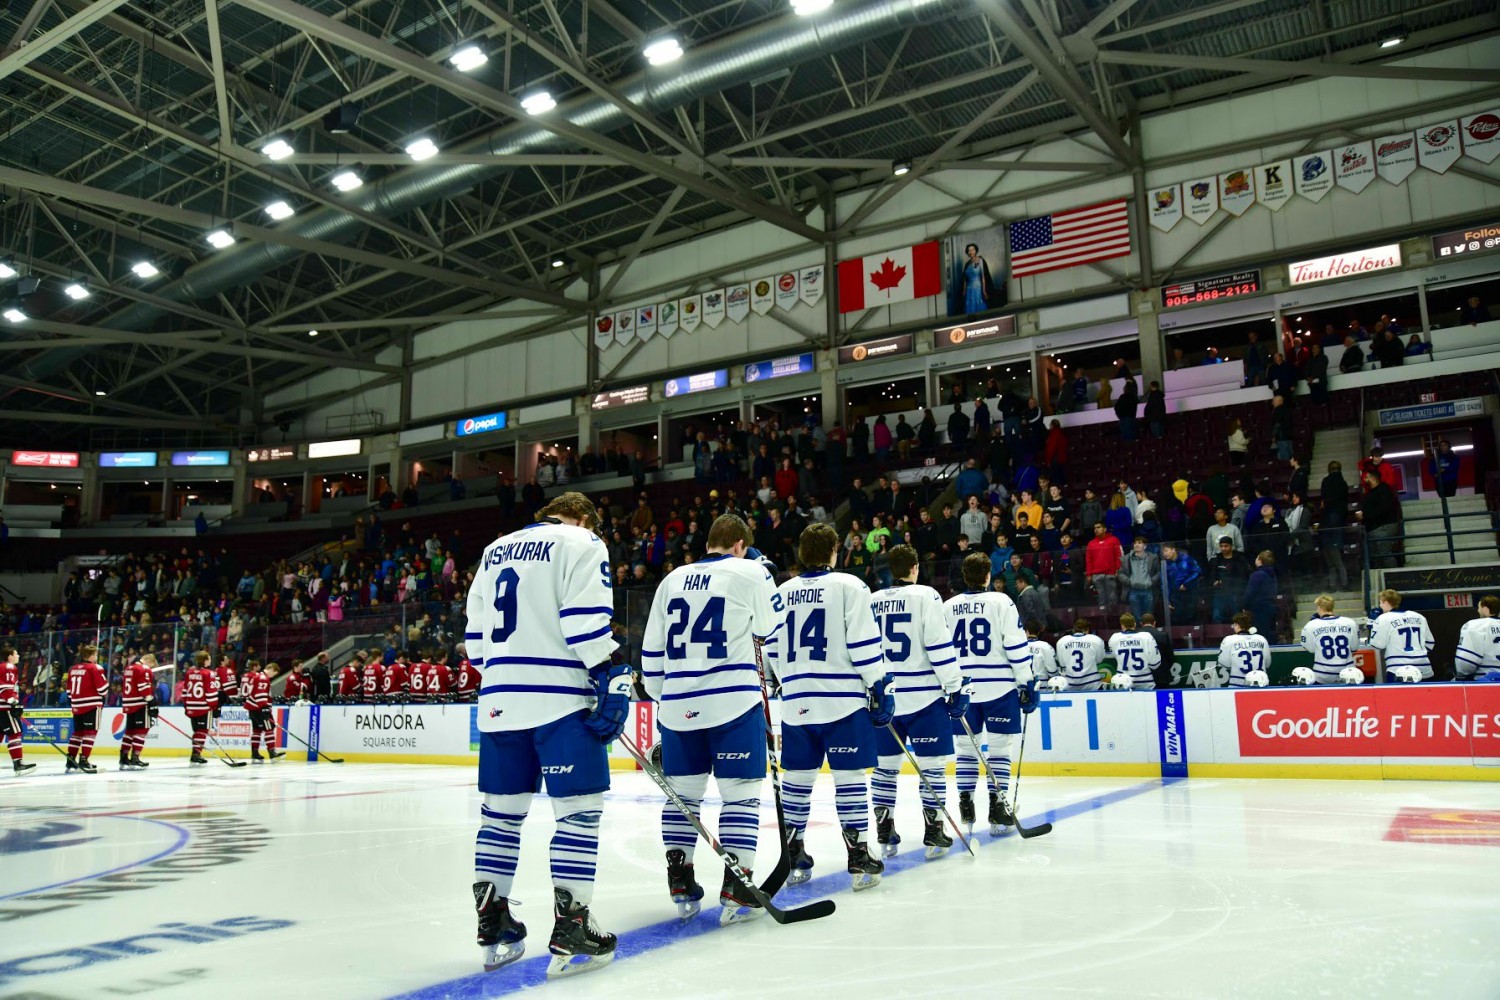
(1067, 239)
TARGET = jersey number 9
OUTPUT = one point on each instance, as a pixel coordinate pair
(506, 582)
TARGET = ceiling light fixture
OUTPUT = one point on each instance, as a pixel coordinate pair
(347, 179)
(663, 50)
(538, 102)
(421, 149)
(277, 149)
(558, 262)
(279, 210)
(1393, 38)
(469, 57)
(806, 8)
(901, 167)
(144, 269)
(15, 314)
(100, 392)
(7, 270)
(77, 291)
(220, 238)
(312, 333)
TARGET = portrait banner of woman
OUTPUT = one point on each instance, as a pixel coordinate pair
(974, 261)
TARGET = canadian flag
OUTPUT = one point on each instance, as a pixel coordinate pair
(894, 276)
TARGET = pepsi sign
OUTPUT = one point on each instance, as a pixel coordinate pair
(480, 424)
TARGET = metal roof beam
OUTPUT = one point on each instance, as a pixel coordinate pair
(1282, 69)
(16, 58)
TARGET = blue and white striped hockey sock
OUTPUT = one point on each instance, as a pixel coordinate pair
(796, 797)
(966, 772)
(739, 818)
(934, 769)
(883, 782)
(851, 800)
(1000, 750)
(676, 831)
(575, 844)
(497, 846)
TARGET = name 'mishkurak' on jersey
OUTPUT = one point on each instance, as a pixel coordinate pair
(827, 652)
(539, 617)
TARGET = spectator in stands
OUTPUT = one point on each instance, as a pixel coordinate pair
(1228, 572)
(1298, 521)
(982, 421)
(1223, 528)
(1315, 373)
(958, 428)
(1473, 312)
(1380, 513)
(973, 521)
(1182, 574)
(1031, 603)
(1028, 477)
(1443, 467)
(1386, 472)
(1299, 480)
(1102, 564)
(1267, 530)
(904, 437)
(1255, 360)
(1126, 408)
(1416, 346)
(1386, 347)
(1239, 443)
(882, 439)
(807, 478)
(1055, 453)
(880, 563)
(1331, 535)
(878, 532)
(1119, 521)
(1090, 513)
(786, 479)
(927, 431)
(1260, 595)
(1057, 509)
(643, 517)
(1281, 427)
(1028, 506)
(1156, 411)
(859, 441)
(1354, 356)
(1140, 576)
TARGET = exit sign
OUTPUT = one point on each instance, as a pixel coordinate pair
(1429, 397)
(1458, 600)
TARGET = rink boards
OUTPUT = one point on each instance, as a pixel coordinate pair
(1442, 731)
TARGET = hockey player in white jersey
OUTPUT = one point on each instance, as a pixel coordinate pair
(1478, 653)
(1135, 654)
(928, 688)
(1078, 657)
(1403, 636)
(995, 655)
(699, 661)
(828, 658)
(1043, 656)
(1244, 652)
(1331, 639)
(549, 702)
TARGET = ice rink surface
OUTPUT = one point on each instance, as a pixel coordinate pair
(298, 880)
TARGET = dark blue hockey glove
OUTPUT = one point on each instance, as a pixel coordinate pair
(882, 702)
(756, 555)
(607, 720)
(958, 702)
(1029, 699)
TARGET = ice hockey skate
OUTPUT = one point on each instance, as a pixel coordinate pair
(21, 767)
(966, 809)
(685, 890)
(1000, 815)
(736, 902)
(885, 832)
(863, 870)
(934, 837)
(502, 936)
(802, 862)
(578, 945)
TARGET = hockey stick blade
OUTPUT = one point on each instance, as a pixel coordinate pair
(223, 756)
(1026, 832)
(287, 732)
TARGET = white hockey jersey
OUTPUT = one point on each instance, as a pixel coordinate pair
(1478, 649)
(538, 618)
(1405, 639)
(1241, 653)
(993, 651)
(1078, 659)
(827, 652)
(1043, 659)
(698, 652)
(1331, 639)
(1136, 655)
(918, 645)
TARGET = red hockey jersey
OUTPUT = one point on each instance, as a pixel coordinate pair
(87, 687)
(349, 680)
(439, 680)
(370, 680)
(298, 686)
(468, 680)
(257, 688)
(200, 691)
(229, 682)
(10, 684)
(395, 680)
(139, 683)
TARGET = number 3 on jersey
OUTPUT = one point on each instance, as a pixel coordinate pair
(707, 630)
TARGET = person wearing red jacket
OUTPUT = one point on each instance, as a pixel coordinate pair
(371, 677)
(200, 699)
(439, 679)
(1385, 471)
(11, 712)
(349, 678)
(139, 703)
(1101, 561)
(419, 693)
(395, 680)
(229, 681)
(298, 683)
(87, 686)
(468, 678)
(257, 685)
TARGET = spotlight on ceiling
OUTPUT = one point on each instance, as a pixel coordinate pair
(538, 102)
(662, 50)
(277, 148)
(559, 262)
(469, 57)
(312, 333)
(100, 392)
(347, 179)
(279, 210)
(422, 148)
(14, 314)
(901, 167)
(7, 270)
(144, 269)
(220, 238)
(76, 291)
(806, 8)
(1394, 37)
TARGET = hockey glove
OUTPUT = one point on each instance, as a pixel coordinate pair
(958, 703)
(755, 555)
(607, 720)
(217, 711)
(882, 702)
(1029, 698)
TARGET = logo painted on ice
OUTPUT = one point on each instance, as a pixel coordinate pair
(151, 942)
(42, 838)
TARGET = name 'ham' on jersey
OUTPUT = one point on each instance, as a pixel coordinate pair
(1078, 657)
(993, 651)
(539, 617)
(1243, 652)
(1331, 639)
(698, 654)
(1405, 639)
(1478, 648)
(918, 645)
(86, 687)
(1136, 654)
(827, 652)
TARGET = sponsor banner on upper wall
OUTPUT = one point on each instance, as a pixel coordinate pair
(1398, 416)
(1344, 265)
(615, 398)
(1475, 239)
(796, 364)
(685, 385)
(271, 453)
(950, 338)
(334, 449)
(1214, 288)
(874, 350)
(127, 459)
(217, 457)
(45, 459)
(481, 424)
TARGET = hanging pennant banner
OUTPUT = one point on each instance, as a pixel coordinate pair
(1273, 184)
(1166, 207)
(1314, 174)
(690, 312)
(762, 298)
(1354, 166)
(1481, 135)
(1395, 157)
(604, 332)
(1202, 197)
(667, 314)
(737, 302)
(1236, 191)
(645, 322)
(713, 307)
(1438, 147)
(625, 326)
(786, 290)
(810, 285)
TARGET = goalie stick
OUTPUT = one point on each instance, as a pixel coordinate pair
(930, 790)
(1026, 832)
(812, 911)
(222, 754)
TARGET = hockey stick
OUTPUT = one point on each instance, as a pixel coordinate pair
(288, 732)
(33, 728)
(773, 883)
(812, 911)
(1026, 832)
(890, 728)
(222, 755)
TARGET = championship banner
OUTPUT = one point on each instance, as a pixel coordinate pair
(737, 302)
(1314, 175)
(1354, 166)
(604, 332)
(1273, 184)
(1395, 157)
(645, 322)
(1166, 207)
(666, 318)
(786, 290)
(690, 312)
(1236, 191)
(713, 307)
(810, 285)
(762, 298)
(1481, 135)
(1438, 147)
(1202, 199)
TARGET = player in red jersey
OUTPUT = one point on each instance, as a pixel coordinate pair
(139, 702)
(298, 683)
(10, 707)
(467, 677)
(200, 699)
(87, 686)
(349, 678)
(370, 678)
(439, 678)
(418, 682)
(396, 680)
(257, 685)
(229, 681)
